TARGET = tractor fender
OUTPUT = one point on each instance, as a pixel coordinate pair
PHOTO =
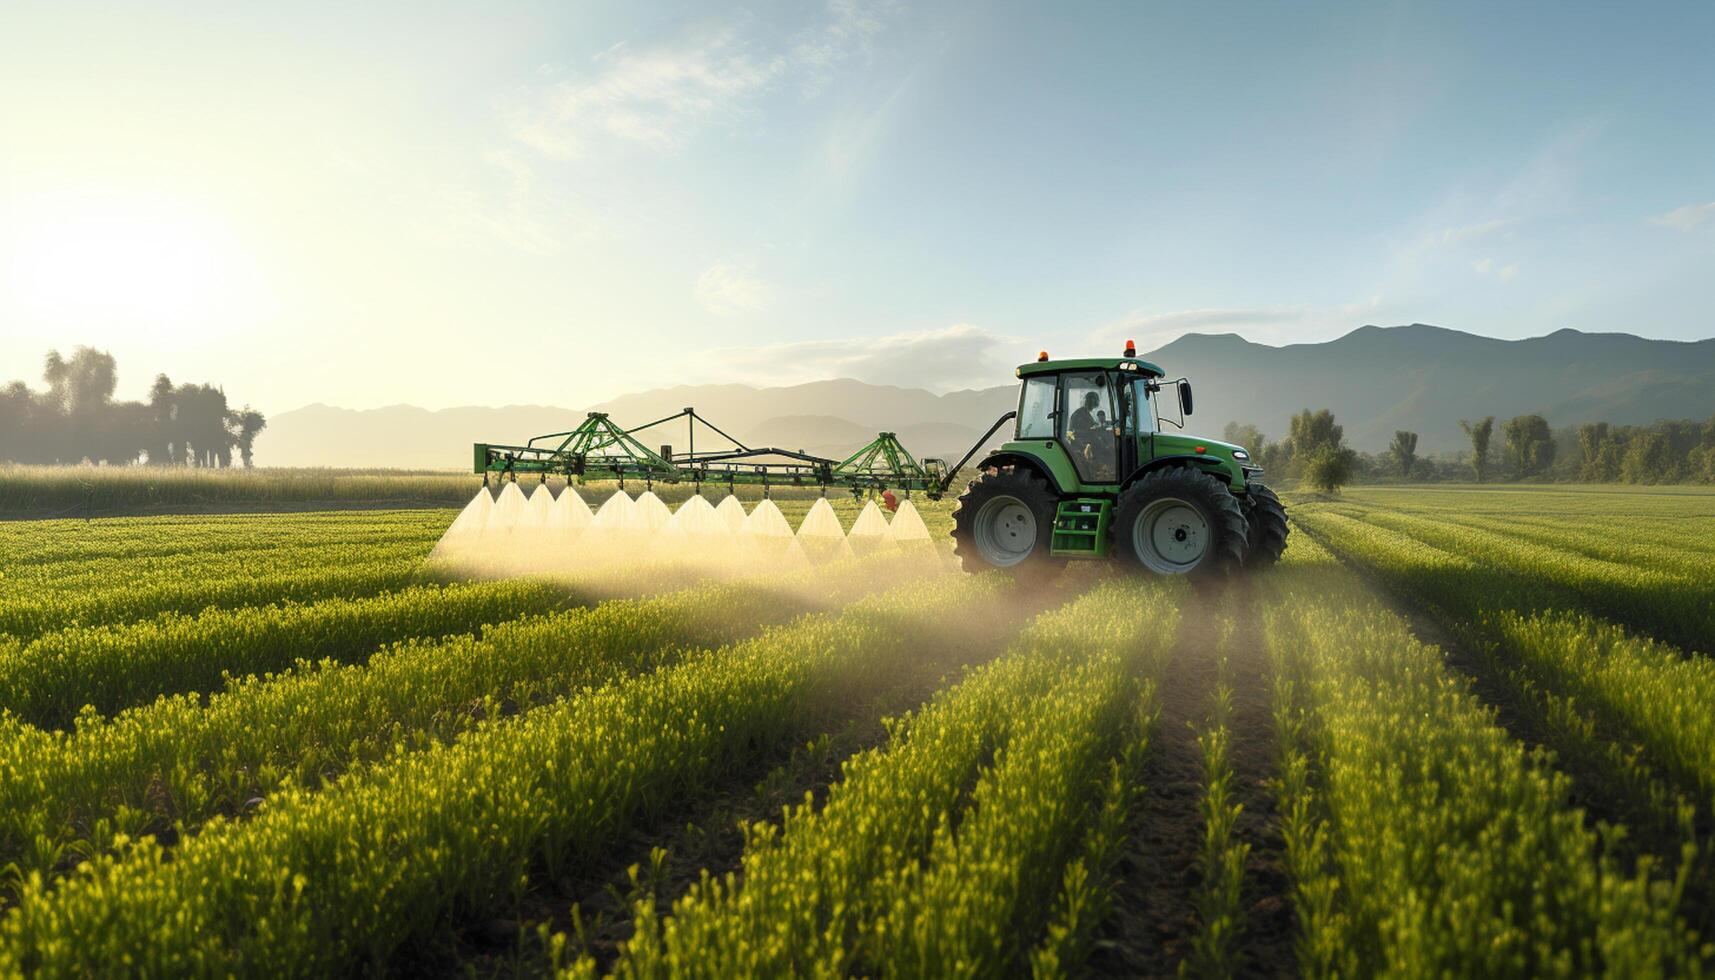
(1212, 467)
(1024, 461)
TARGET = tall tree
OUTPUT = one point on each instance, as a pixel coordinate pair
(202, 420)
(1317, 451)
(1530, 443)
(243, 426)
(1310, 431)
(80, 389)
(1405, 451)
(1329, 468)
(1592, 436)
(1479, 432)
(1244, 434)
(163, 421)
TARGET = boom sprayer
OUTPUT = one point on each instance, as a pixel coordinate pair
(1090, 471)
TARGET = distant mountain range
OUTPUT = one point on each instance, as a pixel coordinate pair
(1375, 379)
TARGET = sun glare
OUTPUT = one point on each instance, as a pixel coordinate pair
(156, 261)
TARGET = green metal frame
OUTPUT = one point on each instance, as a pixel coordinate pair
(885, 462)
(598, 449)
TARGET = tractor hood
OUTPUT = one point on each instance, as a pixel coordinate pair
(1232, 459)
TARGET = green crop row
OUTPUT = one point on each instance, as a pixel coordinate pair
(1679, 606)
(1660, 698)
(908, 870)
(1423, 840)
(1084, 900)
(1674, 548)
(1594, 686)
(1468, 598)
(76, 573)
(98, 575)
(343, 880)
(1221, 863)
(27, 543)
(38, 611)
(49, 680)
(1456, 569)
(175, 763)
(1570, 502)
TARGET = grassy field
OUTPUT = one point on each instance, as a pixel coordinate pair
(1457, 731)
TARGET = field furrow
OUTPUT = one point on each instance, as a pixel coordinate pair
(1200, 883)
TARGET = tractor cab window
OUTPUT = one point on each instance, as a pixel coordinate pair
(1143, 410)
(1091, 425)
(1036, 408)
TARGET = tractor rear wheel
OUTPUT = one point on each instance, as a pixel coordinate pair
(1266, 517)
(1005, 519)
(1180, 521)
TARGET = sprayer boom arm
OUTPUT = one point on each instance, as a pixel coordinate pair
(600, 450)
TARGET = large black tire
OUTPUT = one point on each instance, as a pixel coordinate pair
(1180, 521)
(1005, 519)
(1265, 516)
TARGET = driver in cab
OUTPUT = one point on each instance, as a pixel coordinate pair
(1087, 420)
(1086, 429)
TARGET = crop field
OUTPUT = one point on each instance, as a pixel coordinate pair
(1456, 732)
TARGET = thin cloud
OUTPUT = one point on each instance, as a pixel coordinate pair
(942, 359)
(657, 97)
(849, 32)
(1687, 217)
(730, 290)
(652, 97)
(1477, 231)
(1490, 269)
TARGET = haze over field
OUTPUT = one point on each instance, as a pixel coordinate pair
(1376, 379)
(447, 204)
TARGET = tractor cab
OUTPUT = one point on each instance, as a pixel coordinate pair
(1099, 461)
(1096, 423)
(1099, 412)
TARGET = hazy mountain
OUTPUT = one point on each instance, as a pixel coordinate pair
(1426, 379)
(399, 435)
(1376, 380)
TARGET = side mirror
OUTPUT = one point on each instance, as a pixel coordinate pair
(1185, 396)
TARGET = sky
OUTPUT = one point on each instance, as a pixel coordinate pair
(455, 203)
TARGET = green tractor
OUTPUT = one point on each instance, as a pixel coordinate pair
(1090, 473)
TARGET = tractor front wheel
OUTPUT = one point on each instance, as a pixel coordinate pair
(1266, 517)
(1005, 519)
(1180, 521)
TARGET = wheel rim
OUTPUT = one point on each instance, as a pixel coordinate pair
(1170, 536)
(1005, 531)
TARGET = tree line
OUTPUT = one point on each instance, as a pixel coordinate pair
(76, 420)
(1528, 448)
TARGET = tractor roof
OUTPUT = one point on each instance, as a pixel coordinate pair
(1087, 363)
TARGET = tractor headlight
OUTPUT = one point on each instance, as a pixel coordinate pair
(1240, 454)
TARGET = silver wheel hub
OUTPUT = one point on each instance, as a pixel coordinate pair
(1170, 536)
(1005, 531)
